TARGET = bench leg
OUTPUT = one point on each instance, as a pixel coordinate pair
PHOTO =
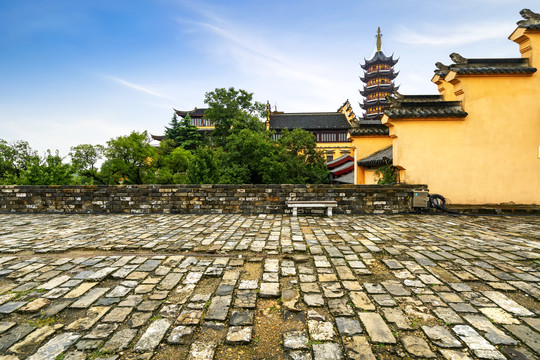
(329, 212)
(294, 211)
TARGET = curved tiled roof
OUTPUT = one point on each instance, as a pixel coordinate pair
(425, 109)
(380, 158)
(485, 66)
(379, 57)
(193, 113)
(309, 121)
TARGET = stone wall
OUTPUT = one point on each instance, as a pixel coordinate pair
(204, 199)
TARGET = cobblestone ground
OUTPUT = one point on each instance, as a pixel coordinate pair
(269, 287)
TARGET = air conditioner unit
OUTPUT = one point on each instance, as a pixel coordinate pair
(420, 199)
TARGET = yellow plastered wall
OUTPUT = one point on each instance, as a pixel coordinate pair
(339, 148)
(365, 146)
(491, 156)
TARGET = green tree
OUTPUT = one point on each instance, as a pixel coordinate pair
(205, 165)
(386, 174)
(129, 160)
(305, 164)
(84, 159)
(51, 170)
(183, 133)
(233, 109)
(172, 164)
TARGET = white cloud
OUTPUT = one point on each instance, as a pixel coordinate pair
(437, 35)
(136, 87)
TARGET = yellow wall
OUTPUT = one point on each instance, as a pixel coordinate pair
(365, 146)
(491, 156)
(340, 148)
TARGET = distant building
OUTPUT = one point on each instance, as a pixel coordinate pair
(478, 142)
(329, 128)
(204, 126)
(370, 138)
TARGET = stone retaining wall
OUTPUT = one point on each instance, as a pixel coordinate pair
(204, 199)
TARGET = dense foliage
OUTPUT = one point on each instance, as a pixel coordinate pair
(239, 150)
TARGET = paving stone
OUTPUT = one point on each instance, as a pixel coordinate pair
(89, 298)
(440, 336)
(507, 304)
(321, 330)
(101, 331)
(152, 336)
(384, 300)
(202, 350)
(269, 290)
(327, 351)
(6, 325)
(315, 300)
(239, 334)
(241, 317)
(376, 328)
(347, 326)
(525, 334)
(396, 316)
(11, 306)
(55, 346)
(518, 353)
(118, 291)
(248, 285)
(56, 306)
(298, 355)
(454, 354)
(93, 314)
(190, 317)
(219, 308)
(448, 315)
(117, 315)
(289, 299)
(15, 334)
(245, 299)
(139, 319)
(295, 340)
(490, 331)
(479, 345)
(181, 335)
(36, 337)
(417, 347)
(120, 340)
(361, 301)
(357, 347)
(332, 290)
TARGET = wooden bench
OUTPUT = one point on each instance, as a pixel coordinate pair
(311, 204)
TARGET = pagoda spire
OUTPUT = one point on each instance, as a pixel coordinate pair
(378, 78)
(379, 36)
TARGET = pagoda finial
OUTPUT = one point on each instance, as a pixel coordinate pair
(379, 36)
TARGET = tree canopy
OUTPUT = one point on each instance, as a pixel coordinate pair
(240, 150)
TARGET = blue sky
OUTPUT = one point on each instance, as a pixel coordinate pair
(79, 71)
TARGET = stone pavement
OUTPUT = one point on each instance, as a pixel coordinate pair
(269, 287)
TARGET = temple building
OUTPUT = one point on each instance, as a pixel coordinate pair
(478, 141)
(197, 118)
(370, 138)
(329, 128)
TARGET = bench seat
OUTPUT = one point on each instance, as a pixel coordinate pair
(312, 204)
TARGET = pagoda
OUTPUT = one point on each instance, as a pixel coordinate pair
(379, 78)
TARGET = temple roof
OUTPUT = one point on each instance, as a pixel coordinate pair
(427, 106)
(380, 158)
(379, 57)
(339, 161)
(309, 121)
(192, 113)
(532, 20)
(389, 74)
(389, 88)
(466, 66)
(369, 127)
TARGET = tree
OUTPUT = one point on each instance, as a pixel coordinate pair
(183, 133)
(49, 171)
(231, 108)
(204, 168)
(172, 164)
(84, 159)
(129, 159)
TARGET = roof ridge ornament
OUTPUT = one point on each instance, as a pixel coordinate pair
(458, 59)
(379, 36)
(531, 18)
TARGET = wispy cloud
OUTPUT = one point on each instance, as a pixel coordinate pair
(136, 87)
(437, 35)
(249, 52)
